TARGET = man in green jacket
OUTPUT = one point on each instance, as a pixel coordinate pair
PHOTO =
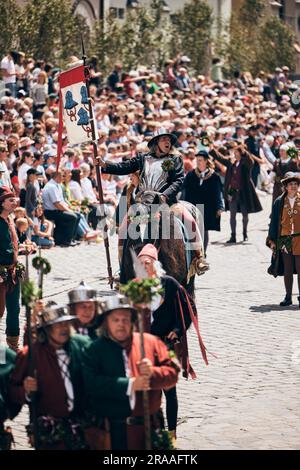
(9, 282)
(116, 375)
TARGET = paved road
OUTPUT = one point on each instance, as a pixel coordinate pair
(247, 398)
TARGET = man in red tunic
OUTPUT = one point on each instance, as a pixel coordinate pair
(57, 381)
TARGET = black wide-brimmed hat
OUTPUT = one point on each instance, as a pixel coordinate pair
(157, 136)
(291, 176)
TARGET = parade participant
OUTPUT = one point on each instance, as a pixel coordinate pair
(284, 165)
(154, 177)
(239, 190)
(115, 375)
(82, 304)
(284, 235)
(9, 275)
(7, 362)
(170, 321)
(58, 381)
(203, 186)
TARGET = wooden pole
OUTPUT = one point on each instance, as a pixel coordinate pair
(98, 174)
(31, 364)
(142, 313)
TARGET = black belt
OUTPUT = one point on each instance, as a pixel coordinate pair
(130, 420)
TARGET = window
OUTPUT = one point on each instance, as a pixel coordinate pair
(121, 13)
(113, 12)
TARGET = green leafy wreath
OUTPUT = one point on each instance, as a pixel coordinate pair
(40, 263)
(29, 293)
(168, 165)
(142, 291)
(292, 152)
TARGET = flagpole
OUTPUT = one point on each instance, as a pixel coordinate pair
(98, 173)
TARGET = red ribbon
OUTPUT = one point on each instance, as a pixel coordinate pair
(187, 368)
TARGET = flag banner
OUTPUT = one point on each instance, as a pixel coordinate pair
(74, 108)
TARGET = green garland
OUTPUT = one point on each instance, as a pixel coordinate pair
(29, 293)
(292, 152)
(285, 243)
(6, 274)
(52, 431)
(40, 263)
(168, 165)
(142, 291)
(20, 271)
(161, 440)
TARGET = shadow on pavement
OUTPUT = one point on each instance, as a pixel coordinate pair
(272, 308)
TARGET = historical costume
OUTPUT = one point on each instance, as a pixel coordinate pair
(112, 375)
(282, 166)
(83, 305)
(59, 399)
(170, 321)
(239, 190)
(161, 175)
(205, 188)
(284, 237)
(10, 271)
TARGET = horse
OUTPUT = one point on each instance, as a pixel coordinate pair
(161, 228)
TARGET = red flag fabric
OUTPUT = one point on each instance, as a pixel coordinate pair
(73, 108)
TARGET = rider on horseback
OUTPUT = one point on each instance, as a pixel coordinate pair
(161, 171)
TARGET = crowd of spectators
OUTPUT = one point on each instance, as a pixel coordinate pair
(205, 112)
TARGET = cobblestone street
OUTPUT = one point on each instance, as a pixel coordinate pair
(247, 398)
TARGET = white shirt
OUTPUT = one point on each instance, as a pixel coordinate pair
(22, 175)
(87, 189)
(76, 191)
(63, 362)
(9, 66)
(130, 393)
(52, 193)
(292, 203)
(6, 176)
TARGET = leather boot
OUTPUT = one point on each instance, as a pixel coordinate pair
(232, 239)
(199, 263)
(245, 236)
(13, 342)
(286, 301)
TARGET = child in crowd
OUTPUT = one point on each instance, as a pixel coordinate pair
(42, 228)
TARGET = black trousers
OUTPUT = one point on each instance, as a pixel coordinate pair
(290, 262)
(66, 224)
(171, 408)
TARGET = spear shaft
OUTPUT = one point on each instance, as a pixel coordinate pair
(31, 365)
(98, 173)
(142, 314)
